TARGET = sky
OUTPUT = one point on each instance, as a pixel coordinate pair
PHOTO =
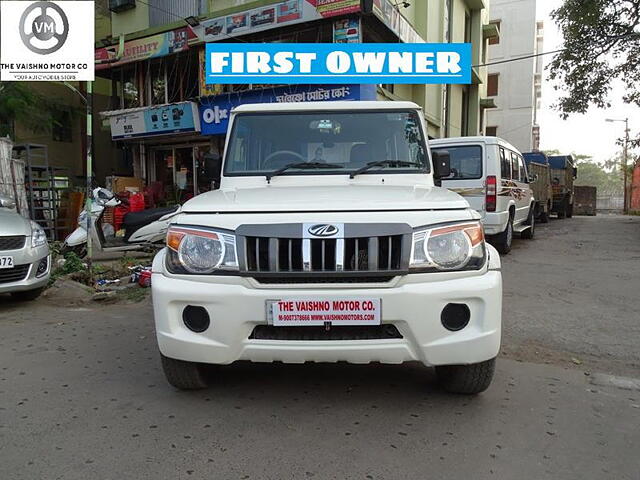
(587, 134)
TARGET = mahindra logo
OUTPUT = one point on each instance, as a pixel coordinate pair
(50, 27)
(323, 230)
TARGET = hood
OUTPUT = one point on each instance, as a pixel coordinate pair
(13, 224)
(326, 198)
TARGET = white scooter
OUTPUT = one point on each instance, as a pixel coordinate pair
(144, 230)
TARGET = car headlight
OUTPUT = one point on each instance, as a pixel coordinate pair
(200, 250)
(455, 247)
(38, 237)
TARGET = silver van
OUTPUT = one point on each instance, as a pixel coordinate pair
(25, 262)
(492, 176)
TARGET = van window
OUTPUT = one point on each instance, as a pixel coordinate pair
(523, 169)
(466, 162)
(505, 165)
(515, 168)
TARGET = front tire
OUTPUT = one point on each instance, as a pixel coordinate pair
(531, 221)
(570, 210)
(466, 379)
(184, 375)
(503, 240)
(27, 295)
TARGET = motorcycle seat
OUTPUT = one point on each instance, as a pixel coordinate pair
(134, 220)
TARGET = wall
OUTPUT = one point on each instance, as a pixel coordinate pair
(515, 100)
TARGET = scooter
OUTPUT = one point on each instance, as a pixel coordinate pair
(144, 230)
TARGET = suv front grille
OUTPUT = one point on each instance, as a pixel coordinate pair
(369, 332)
(15, 274)
(373, 254)
(12, 243)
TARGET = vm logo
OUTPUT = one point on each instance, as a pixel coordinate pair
(43, 27)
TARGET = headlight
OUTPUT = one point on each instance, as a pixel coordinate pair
(38, 237)
(200, 250)
(456, 247)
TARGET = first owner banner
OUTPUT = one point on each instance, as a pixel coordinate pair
(315, 63)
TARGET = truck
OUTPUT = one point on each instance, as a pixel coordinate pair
(540, 180)
(563, 173)
(329, 238)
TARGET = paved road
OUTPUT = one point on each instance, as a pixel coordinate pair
(82, 395)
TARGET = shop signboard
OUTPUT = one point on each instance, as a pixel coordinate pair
(215, 111)
(347, 30)
(386, 11)
(158, 120)
(287, 12)
(332, 8)
(145, 48)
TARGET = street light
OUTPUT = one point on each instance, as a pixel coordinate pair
(625, 152)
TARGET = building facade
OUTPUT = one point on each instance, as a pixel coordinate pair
(515, 86)
(163, 119)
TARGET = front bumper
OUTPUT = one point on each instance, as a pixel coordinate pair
(412, 303)
(30, 259)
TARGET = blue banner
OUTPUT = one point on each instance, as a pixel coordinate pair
(315, 63)
(216, 110)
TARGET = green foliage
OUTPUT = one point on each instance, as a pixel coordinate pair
(601, 40)
(73, 263)
(607, 177)
(20, 103)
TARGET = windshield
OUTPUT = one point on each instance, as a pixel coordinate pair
(466, 162)
(330, 143)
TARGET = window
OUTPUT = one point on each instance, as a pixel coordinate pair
(491, 131)
(464, 124)
(62, 129)
(466, 162)
(495, 40)
(505, 165)
(343, 141)
(130, 95)
(492, 84)
(467, 27)
(158, 83)
(523, 170)
(515, 167)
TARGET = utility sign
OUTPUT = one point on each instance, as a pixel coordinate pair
(315, 63)
(46, 41)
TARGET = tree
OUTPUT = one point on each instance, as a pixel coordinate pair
(601, 40)
(22, 104)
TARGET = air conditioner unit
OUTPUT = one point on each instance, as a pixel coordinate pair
(118, 6)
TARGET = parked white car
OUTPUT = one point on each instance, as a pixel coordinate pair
(25, 262)
(328, 241)
(492, 175)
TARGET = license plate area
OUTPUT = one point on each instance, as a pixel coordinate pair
(6, 261)
(296, 312)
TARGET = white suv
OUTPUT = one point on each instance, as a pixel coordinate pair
(328, 241)
(492, 175)
(24, 254)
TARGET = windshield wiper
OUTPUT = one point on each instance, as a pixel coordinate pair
(384, 163)
(301, 166)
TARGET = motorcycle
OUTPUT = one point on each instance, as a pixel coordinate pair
(143, 230)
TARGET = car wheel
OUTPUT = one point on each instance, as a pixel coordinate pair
(503, 240)
(184, 375)
(27, 295)
(531, 222)
(544, 215)
(570, 211)
(466, 379)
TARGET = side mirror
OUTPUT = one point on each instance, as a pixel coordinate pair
(6, 202)
(575, 172)
(441, 164)
(213, 168)
(533, 178)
